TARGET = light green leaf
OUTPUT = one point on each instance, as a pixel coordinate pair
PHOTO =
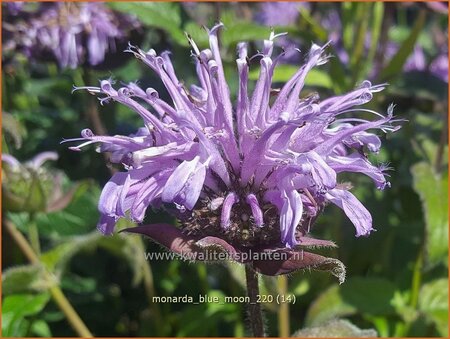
(432, 189)
(198, 34)
(18, 306)
(433, 302)
(283, 73)
(41, 329)
(25, 279)
(236, 30)
(328, 305)
(335, 329)
(301, 288)
(164, 15)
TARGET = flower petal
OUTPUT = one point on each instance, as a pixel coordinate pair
(354, 210)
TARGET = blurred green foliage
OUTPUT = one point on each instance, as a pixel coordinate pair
(397, 278)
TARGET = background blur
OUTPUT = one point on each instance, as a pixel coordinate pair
(397, 279)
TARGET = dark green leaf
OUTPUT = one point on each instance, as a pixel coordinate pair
(57, 258)
(363, 295)
(420, 85)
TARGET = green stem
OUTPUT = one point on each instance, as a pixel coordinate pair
(33, 235)
(416, 280)
(254, 307)
(149, 287)
(283, 311)
(415, 290)
(58, 296)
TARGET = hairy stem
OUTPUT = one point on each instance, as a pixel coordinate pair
(283, 310)
(254, 307)
(56, 292)
(33, 235)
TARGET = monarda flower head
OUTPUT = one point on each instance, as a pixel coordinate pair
(72, 32)
(249, 177)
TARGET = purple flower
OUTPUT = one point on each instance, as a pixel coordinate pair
(255, 175)
(72, 32)
(14, 7)
(281, 13)
(439, 66)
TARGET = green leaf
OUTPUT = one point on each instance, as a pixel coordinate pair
(301, 288)
(432, 189)
(399, 59)
(25, 279)
(198, 34)
(57, 258)
(377, 20)
(433, 302)
(348, 15)
(335, 329)
(236, 30)
(316, 27)
(357, 295)
(163, 15)
(341, 82)
(41, 329)
(328, 305)
(130, 249)
(18, 306)
(283, 73)
(420, 85)
(361, 23)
